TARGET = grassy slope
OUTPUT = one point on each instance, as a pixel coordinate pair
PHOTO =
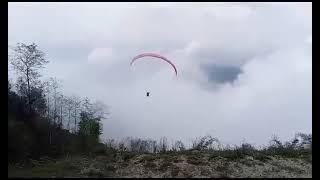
(182, 164)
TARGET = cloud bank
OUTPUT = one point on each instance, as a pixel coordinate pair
(244, 69)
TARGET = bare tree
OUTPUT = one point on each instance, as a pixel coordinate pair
(178, 146)
(46, 87)
(69, 106)
(76, 106)
(55, 85)
(275, 141)
(27, 60)
(97, 108)
(163, 144)
(100, 110)
(61, 103)
(87, 105)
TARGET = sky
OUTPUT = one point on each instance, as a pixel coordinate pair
(244, 69)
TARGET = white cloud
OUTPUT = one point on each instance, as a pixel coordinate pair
(100, 55)
(266, 40)
(309, 39)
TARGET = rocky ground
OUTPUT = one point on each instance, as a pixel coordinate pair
(191, 164)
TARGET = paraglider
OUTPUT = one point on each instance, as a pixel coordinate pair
(158, 56)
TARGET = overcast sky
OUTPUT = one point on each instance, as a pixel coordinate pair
(244, 69)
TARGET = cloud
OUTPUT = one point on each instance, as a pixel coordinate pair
(244, 69)
(222, 74)
(309, 40)
(100, 55)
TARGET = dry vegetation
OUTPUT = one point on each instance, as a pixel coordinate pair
(118, 160)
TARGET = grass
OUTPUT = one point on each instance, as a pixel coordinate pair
(169, 156)
(175, 171)
(292, 169)
(287, 152)
(177, 160)
(128, 155)
(224, 169)
(308, 158)
(59, 169)
(110, 167)
(150, 157)
(232, 155)
(150, 165)
(165, 165)
(196, 160)
(106, 165)
(205, 172)
(166, 160)
(248, 163)
(261, 157)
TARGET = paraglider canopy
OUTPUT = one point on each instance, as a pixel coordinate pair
(156, 56)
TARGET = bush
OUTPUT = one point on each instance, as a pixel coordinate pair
(261, 157)
(204, 143)
(99, 149)
(128, 155)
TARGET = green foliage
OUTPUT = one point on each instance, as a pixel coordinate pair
(89, 130)
(196, 160)
(150, 165)
(89, 125)
(36, 112)
(150, 157)
(99, 149)
(128, 155)
(57, 169)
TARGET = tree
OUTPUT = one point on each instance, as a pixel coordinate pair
(163, 144)
(76, 105)
(96, 110)
(27, 60)
(87, 106)
(100, 110)
(15, 102)
(89, 129)
(178, 146)
(203, 143)
(306, 138)
(89, 125)
(55, 84)
(61, 103)
(69, 105)
(47, 90)
(275, 141)
(38, 100)
(9, 86)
